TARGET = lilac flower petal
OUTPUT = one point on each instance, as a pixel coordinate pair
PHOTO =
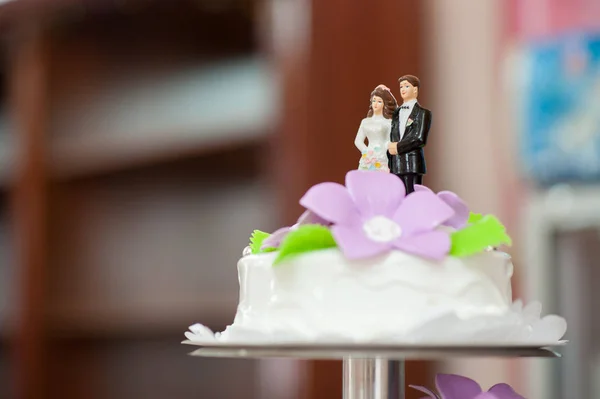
(504, 391)
(434, 244)
(486, 395)
(332, 202)
(461, 210)
(420, 212)
(274, 240)
(309, 217)
(375, 193)
(354, 244)
(453, 386)
(425, 390)
(420, 187)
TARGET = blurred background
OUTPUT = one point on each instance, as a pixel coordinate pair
(141, 142)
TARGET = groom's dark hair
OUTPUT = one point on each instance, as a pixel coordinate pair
(412, 79)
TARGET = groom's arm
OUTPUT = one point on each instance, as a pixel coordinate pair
(395, 130)
(419, 140)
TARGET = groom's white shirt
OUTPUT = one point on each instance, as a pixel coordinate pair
(404, 114)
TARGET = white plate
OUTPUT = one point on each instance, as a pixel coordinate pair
(376, 345)
(371, 351)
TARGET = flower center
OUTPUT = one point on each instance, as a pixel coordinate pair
(382, 229)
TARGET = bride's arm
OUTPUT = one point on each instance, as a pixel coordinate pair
(388, 133)
(359, 141)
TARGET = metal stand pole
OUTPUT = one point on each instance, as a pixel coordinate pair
(373, 378)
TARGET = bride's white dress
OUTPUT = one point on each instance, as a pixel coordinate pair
(377, 130)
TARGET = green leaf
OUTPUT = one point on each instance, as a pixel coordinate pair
(305, 238)
(486, 231)
(474, 217)
(256, 240)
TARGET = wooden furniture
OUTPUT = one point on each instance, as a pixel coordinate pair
(144, 141)
(328, 74)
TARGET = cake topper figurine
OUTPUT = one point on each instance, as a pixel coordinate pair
(409, 130)
(376, 128)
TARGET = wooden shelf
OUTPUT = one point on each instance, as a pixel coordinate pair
(128, 100)
(127, 320)
(191, 112)
(154, 250)
(140, 133)
(148, 367)
(8, 271)
(6, 370)
(146, 161)
(184, 121)
(7, 156)
(8, 153)
(14, 11)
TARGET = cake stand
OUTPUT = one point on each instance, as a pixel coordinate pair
(370, 371)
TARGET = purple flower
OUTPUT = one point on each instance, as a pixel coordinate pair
(372, 215)
(461, 210)
(450, 386)
(308, 217)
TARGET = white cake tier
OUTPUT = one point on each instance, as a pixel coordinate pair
(321, 296)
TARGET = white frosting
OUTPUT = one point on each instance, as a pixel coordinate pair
(321, 296)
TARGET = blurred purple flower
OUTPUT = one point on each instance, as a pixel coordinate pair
(461, 210)
(308, 217)
(451, 386)
(372, 215)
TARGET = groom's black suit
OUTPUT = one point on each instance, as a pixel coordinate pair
(409, 164)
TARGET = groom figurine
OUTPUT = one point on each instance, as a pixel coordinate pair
(410, 127)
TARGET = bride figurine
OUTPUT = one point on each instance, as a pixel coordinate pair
(376, 128)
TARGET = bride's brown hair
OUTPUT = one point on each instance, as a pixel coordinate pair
(389, 101)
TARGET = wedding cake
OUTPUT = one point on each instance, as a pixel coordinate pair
(368, 263)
